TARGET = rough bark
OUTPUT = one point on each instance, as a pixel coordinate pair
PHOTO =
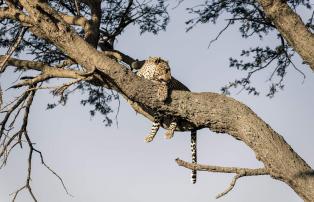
(214, 111)
(291, 27)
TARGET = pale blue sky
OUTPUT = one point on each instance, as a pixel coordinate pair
(99, 163)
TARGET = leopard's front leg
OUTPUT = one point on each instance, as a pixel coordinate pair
(170, 131)
(154, 129)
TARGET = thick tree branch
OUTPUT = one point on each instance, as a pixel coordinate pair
(76, 20)
(91, 27)
(291, 27)
(50, 71)
(92, 34)
(14, 14)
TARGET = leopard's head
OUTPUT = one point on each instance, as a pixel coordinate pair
(162, 71)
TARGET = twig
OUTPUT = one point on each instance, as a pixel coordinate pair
(116, 96)
(178, 4)
(22, 131)
(220, 33)
(6, 155)
(60, 90)
(9, 112)
(5, 146)
(288, 57)
(12, 48)
(232, 184)
(52, 171)
(33, 81)
(77, 7)
(240, 172)
(57, 89)
(1, 95)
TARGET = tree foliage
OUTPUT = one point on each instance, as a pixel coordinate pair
(248, 15)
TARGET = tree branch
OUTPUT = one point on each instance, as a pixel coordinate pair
(240, 172)
(221, 169)
(231, 186)
(14, 14)
(12, 48)
(291, 27)
(23, 102)
(47, 70)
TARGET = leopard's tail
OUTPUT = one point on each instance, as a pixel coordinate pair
(194, 154)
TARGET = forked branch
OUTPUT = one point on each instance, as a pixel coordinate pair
(8, 143)
(240, 172)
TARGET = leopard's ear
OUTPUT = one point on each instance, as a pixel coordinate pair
(167, 61)
(157, 60)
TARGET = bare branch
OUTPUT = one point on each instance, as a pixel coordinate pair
(19, 101)
(28, 82)
(178, 4)
(12, 48)
(7, 144)
(77, 7)
(220, 169)
(232, 184)
(289, 57)
(27, 96)
(52, 171)
(240, 172)
(6, 155)
(60, 90)
(220, 33)
(46, 70)
(23, 130)
(1, 97)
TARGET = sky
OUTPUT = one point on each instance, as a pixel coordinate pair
(99, 163)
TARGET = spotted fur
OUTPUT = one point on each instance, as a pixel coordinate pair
(158, 70)
(155, 69)
(194, 154)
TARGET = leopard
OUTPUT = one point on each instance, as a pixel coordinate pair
(158, 70)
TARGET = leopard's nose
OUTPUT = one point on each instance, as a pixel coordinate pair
(165, 78)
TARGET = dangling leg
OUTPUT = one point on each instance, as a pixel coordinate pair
(194, 154)
(154, 130)
(169, 133)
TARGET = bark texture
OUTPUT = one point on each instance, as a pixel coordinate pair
(291, 27)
